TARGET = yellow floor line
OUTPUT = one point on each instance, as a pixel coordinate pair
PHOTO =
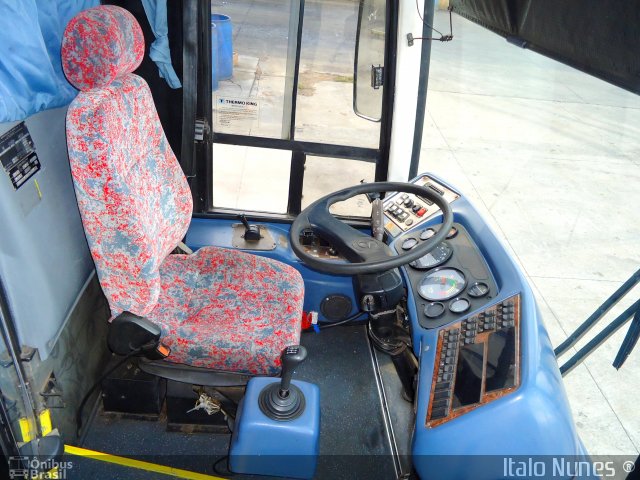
(130, 462)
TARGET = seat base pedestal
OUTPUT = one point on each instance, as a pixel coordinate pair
(281, 448)
(129, 390)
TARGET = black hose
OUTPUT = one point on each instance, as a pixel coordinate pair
(97, 383)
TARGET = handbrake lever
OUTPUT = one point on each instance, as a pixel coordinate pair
(251, 232)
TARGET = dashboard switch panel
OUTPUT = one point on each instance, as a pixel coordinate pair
(405, 210)
(477, 361)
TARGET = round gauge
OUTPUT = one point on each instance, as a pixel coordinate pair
(441, 284)
(459, 305)
(478, 289)
(409, 243)
(427, 233)
(434, 258)
(434, 309)
(452, 233)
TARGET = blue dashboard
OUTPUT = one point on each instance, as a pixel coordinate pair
(530, 416)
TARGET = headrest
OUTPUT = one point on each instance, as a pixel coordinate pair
(99, 45)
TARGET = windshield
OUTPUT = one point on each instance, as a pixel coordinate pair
(285, 130)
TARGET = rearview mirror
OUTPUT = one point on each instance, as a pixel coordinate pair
(369, 60)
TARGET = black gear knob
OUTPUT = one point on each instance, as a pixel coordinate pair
(291, 357)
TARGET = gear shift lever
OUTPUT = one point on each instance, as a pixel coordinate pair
(285, 401)
(291, 357)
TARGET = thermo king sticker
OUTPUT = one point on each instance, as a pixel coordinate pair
(232, 111)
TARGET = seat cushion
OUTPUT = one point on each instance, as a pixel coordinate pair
(228, 310)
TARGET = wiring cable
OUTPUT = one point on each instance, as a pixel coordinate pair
(350, 319)
(97, 383)
(443, 38)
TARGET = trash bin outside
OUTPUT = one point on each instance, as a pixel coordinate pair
(224, 42)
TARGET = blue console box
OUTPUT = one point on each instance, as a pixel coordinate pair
(264, 446)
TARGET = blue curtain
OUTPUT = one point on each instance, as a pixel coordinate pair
(156, 11)
(31, 76)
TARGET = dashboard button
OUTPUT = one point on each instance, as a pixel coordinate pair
(409, 222)
(441, 394)
(421, 212)
(443, 386)
(439, 413)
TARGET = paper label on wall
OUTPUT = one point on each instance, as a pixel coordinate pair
(233, 111)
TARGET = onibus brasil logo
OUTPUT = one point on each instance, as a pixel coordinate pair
(26, 467)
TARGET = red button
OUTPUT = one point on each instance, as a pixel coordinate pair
(421, 212)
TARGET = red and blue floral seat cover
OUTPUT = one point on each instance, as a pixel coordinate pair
(218, 308)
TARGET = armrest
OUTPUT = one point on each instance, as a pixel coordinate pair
(129, 332)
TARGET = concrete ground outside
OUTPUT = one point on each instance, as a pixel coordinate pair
(551, 157)
(548, 154)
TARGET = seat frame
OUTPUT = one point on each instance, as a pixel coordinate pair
(193, 375)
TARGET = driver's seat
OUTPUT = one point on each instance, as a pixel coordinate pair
(217, 308)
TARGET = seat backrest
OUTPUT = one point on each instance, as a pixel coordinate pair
(133, 197)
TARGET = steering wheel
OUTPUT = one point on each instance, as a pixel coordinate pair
(365, 253)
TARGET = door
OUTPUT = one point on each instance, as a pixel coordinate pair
(289, 124)
(17, 411)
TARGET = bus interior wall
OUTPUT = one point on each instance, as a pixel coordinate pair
(55, 301)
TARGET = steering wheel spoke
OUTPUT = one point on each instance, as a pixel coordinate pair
(353, 244)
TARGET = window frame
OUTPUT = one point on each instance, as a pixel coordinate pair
(201, 181)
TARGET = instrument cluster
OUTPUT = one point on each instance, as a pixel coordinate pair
(451, 279)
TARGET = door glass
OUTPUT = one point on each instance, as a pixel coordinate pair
(369, 57)
(251, 178)
(324, 105)
(323, 175)
(251, 48)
